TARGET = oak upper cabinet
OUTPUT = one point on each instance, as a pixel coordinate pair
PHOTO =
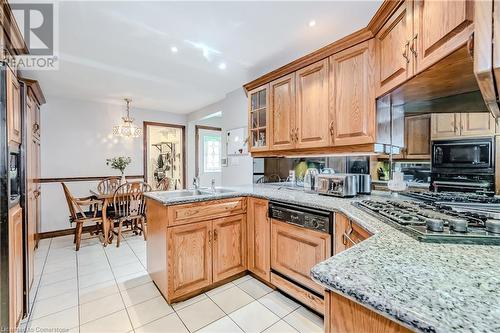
(441, 27)
(312, 106)
(394, 62)
(477, 124)
(445, 125)
(352, 95)
(259, 238)
(418, 137)
(282, 113)
(229, 247)
(13, 107)
(258, 118)
(454, 125)
(189, 258)
(16, 266)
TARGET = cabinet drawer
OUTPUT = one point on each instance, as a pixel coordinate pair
(200, 211)
(302, 295)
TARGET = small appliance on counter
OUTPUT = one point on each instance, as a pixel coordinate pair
(310, 180)
(364, 184)
(338, 185)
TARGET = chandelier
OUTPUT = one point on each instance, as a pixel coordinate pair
(127, 128)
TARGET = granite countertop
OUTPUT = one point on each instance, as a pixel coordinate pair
(426, 287)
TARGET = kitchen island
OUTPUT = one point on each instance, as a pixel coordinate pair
(422, 286)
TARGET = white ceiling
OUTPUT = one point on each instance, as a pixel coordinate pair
(115, 49)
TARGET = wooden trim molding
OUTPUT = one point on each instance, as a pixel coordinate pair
(13, 38)
(360, 149)
(382, 14)
(145, 147)
(197, 129)
(82, 179)
(35, 88)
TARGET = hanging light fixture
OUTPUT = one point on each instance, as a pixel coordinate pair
(127, 128)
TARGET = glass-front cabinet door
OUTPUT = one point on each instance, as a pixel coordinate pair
(258, 101)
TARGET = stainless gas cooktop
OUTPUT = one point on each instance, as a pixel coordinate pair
(436, 222)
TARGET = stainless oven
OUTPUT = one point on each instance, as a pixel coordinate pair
(463, 165)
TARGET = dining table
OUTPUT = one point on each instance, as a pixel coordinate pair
(107, 199)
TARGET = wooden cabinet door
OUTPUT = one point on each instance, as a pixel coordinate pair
(258, 119)
(282, 113)
(229, 247)
(477, 124)
(16, 266)
(441, 27)
(312, 106)
(189, 258)
(445, 125)
(259, 238)
(352, 109)
(347, 233)
(394, 62)
(418, 137)
(13, 107)
(295, 250)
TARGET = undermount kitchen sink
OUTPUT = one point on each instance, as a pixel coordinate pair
(193, 193)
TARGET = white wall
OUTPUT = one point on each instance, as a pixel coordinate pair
(234, 115)
(76, 140)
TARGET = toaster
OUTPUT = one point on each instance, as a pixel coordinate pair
(338, 184)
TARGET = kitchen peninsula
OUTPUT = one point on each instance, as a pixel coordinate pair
(418, 286)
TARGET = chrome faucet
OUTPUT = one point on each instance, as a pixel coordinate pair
(196, 183)
(213, 185)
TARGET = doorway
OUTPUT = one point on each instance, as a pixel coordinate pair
(164, 155)
(208, 154)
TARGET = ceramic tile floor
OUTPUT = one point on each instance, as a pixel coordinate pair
(108, 290)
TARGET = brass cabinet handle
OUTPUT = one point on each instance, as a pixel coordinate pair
(292, 137)
(470, 45)
(296, 135)
(331, 128)
(209, 236)
(413, 46)
(215, 235)
(405, 52)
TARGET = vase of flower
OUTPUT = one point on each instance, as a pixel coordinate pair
(119, 163)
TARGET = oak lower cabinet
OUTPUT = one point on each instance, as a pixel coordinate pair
(347, 233)
(16, 266)
(352, 95)
(457, 125)
(229, 246)
(190, 249)
(189, 258)
(259, 238)
(346, 316)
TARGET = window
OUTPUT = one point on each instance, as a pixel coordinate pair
(211, 153)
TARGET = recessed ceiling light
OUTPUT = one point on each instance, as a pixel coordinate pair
(222, 65)
(312, 23)
(174, 49)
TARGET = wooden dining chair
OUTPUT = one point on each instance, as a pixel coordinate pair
(165, 184)
(82, 210)
(129, 208)
(108, 185)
